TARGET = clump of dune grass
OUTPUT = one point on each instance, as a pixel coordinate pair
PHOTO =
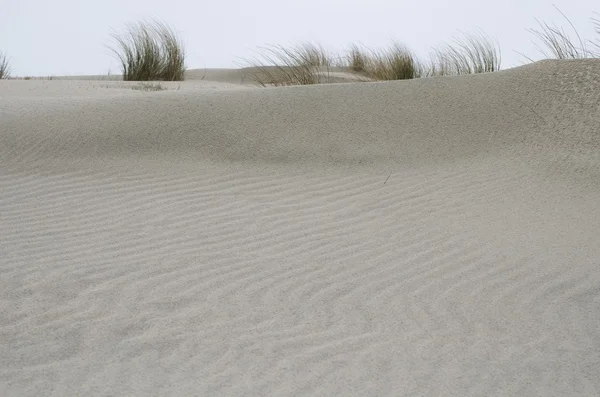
(396, 62)
(300, 64)
(4, 66)
(473, 53)
(359, 60)
(556, 42)
(150, 51)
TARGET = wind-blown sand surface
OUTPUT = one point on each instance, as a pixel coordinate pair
(434, 237)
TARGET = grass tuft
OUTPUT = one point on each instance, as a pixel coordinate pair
(394, 63)
(4, 66)
(150, 51)
(358, 60)
(474, 53)
(557, 43)
(301, 64)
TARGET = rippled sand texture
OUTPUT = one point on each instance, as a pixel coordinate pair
(434, 237)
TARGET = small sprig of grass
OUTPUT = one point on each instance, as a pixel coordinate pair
(4, 66)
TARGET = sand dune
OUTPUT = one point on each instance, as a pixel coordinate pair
(433, 237)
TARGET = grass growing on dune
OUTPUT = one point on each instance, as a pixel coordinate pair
(359, 61)
(469, 54)
(396, 62)
(312, 54)
(173, 52)
(153, 52)
(4, 66)
(150, 51)
(301, 64)
(311, 64)
(556, 42)
(475, 53)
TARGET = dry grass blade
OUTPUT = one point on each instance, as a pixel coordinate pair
(150, 52)
(4, 66)
(474, 53)
(298, 65)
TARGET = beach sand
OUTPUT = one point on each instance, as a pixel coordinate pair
(433, 237)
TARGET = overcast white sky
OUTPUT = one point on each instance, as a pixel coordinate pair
(69, 37)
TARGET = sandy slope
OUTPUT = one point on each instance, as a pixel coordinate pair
(437, 237)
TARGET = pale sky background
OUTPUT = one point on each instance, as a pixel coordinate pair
(69, 37)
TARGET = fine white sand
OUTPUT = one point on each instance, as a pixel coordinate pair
(434, 237)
